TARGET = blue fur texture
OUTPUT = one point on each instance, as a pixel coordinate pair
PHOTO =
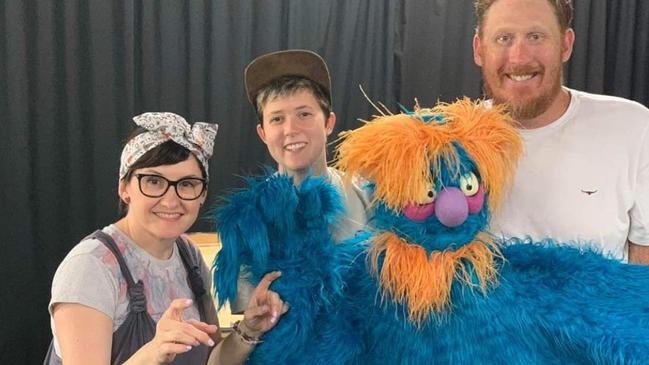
(273, 225)
(553, 303)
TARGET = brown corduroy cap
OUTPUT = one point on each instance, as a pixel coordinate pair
(293, 62)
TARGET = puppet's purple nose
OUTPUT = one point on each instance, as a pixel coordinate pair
(451, 208)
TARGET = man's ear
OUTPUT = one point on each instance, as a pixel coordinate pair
(566, 46)
(477, 50)
(330, 123)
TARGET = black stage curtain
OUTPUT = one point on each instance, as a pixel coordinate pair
(73, 73)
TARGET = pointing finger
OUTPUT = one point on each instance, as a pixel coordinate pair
(176, 308)
(265, 282)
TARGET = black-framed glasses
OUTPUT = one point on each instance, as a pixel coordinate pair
(155, 186)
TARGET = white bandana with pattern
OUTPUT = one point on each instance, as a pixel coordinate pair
(162, 127)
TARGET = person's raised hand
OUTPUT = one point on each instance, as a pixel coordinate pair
(264, 309)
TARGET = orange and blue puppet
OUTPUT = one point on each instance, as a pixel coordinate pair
(426, 282)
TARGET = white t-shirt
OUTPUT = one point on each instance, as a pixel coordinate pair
(584, 178)
(356, 201)
(90, 275)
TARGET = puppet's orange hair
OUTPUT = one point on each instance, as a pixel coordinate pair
(489, 137)
(398, 152)
(423, 282)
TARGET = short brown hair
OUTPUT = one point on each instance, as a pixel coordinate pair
(289, 85)
(562, 8)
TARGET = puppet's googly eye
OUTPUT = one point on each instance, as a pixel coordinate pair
(427, 196)
(469, 184)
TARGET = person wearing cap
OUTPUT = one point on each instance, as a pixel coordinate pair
(136, 291)
(291, 93)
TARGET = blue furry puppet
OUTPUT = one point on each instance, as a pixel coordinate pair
(271, 226)
(426, 283)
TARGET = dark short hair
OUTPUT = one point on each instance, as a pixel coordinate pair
(167, 153)
(563, 9)
(289, 85)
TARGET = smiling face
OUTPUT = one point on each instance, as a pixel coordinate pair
(164, 218)
(521, 49)
(295, 130)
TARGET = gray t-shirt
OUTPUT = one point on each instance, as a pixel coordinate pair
(90, 275)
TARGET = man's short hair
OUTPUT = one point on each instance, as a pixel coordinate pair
(289, 85)
(562, 9)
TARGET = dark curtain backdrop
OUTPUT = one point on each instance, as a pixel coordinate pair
(73, 73)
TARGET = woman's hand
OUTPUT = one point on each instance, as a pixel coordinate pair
(264, 309)
(175, 336)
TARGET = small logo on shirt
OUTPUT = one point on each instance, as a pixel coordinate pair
(588, 192)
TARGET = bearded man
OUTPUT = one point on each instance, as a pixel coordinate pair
(584, 176)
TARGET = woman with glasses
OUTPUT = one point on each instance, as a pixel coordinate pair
(137, 291)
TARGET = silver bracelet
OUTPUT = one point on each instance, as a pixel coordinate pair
(244, 336)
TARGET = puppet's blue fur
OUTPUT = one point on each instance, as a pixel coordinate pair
(273, 225)
(553, 303)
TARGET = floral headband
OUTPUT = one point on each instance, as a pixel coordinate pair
(162, 127)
